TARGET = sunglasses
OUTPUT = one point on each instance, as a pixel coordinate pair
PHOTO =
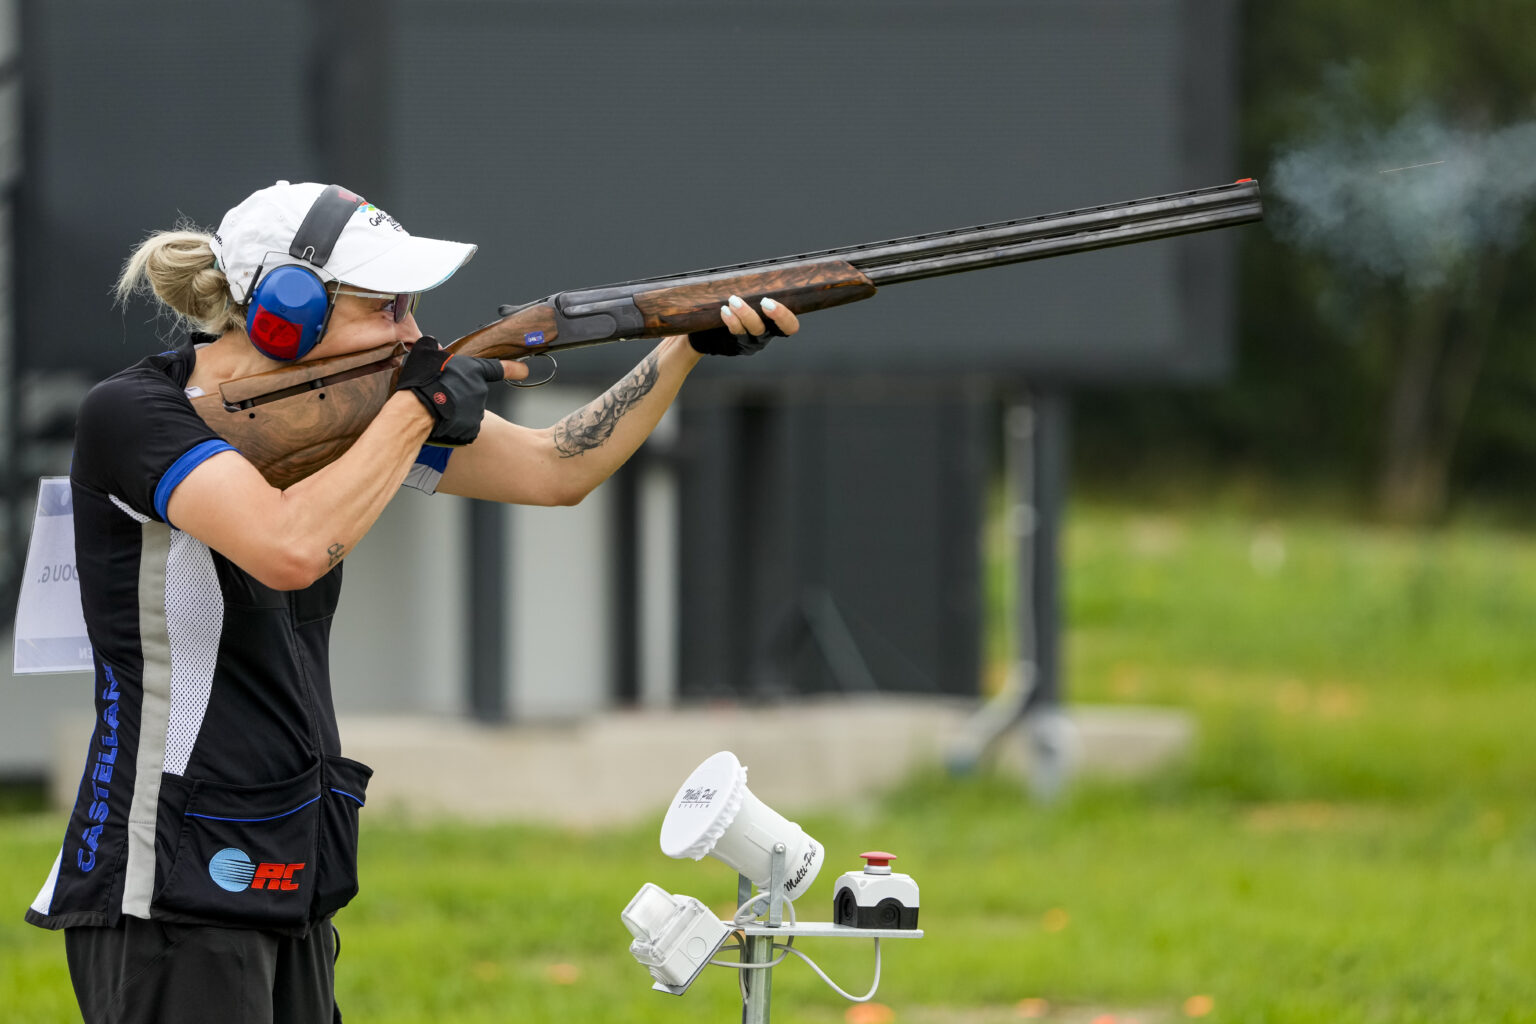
(399, 305)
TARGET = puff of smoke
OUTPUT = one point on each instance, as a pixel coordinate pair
(1414, 201)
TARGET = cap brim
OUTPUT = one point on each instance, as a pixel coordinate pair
(415, 265)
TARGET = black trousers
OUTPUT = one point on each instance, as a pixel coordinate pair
(145, 972)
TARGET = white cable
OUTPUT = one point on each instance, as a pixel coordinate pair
(789, 948)
(754, 967)
(741, 979)
(745, 916)
(788, 905)
(738, 918)
(866, 997)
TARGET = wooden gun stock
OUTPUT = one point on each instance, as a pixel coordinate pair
(292, 421)
(295, 420)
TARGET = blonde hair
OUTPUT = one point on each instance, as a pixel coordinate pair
(178, 268)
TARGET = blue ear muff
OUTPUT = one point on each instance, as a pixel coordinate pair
(289, 306)
(287, 311)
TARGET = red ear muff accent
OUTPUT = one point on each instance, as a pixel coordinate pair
(275, 337)
(287, 313)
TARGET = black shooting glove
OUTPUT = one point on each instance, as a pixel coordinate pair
(453, 388)
(719, 341)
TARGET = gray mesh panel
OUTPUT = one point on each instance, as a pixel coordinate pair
(194, 618)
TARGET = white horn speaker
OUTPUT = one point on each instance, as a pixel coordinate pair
(715, 813)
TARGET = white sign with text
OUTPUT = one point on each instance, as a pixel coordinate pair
(50, 626)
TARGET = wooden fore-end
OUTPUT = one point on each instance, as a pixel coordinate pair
(803, 287)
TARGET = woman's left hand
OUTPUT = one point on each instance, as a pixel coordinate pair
(746, 330)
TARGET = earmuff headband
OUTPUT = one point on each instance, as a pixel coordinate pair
(323, 225)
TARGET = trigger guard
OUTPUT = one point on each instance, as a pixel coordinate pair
(529, 382)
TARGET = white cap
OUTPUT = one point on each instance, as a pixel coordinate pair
(373, 253)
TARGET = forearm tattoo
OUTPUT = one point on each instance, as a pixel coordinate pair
(335, 551)
(592, 424)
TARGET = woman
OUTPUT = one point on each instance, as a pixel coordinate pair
(215, 829)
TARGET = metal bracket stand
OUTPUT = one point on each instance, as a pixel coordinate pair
(758, 949)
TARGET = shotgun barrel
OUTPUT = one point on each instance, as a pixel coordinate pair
(1033, 238)
(1010, 241)
(594, 315)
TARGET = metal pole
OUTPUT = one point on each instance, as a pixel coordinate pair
(1042, 467)
(488, 604)
(757, 949)
(485, 623)
(624, 531)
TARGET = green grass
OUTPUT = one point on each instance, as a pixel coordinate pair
(1353, 840)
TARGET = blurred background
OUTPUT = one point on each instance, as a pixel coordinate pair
(1166, 608)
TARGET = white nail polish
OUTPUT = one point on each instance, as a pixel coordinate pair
(736, 302)
(769, 305)
(725, 311)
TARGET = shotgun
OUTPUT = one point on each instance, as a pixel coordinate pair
(296, 419)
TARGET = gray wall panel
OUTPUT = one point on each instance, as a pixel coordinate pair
(592, 142)
(141, 114)
(583, 142)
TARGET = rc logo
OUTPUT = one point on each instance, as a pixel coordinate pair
(232, 871)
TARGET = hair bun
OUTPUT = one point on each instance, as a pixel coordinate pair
(179, 269)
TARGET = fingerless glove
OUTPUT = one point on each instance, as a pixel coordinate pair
(453, 389)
